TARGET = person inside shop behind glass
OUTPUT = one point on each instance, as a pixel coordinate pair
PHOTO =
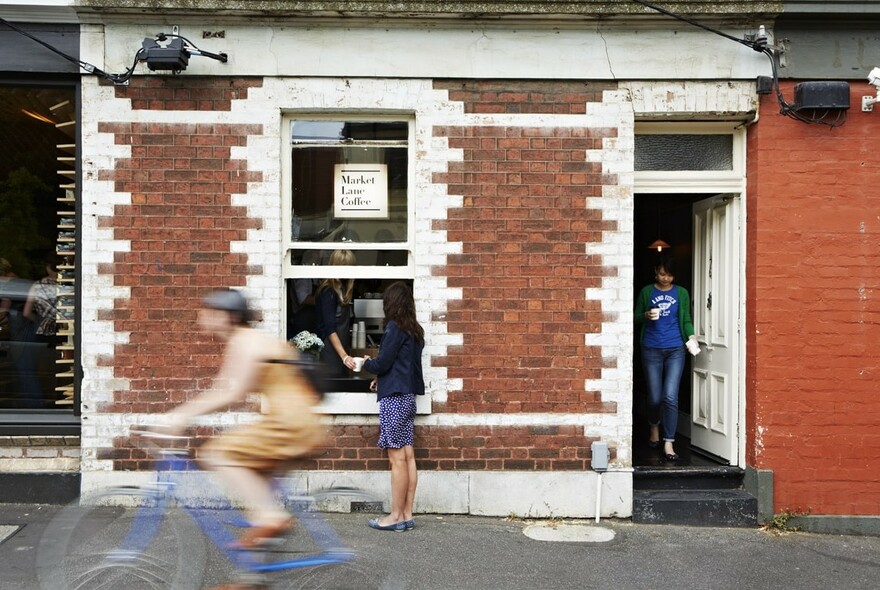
(13, 295)
(18, 333)
(40, 309)
(333, 312)
(301, 297)
(663, 310)
(300, 306)
(41, 306)
(6, 275)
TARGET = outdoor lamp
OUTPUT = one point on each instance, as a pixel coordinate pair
(173, 56)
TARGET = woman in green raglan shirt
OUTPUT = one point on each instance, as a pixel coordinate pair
(663, 310)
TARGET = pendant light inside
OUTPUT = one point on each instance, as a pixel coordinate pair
(659, 245)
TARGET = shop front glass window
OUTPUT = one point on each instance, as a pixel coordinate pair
(349, 181)
(37, 247)
(349, 190)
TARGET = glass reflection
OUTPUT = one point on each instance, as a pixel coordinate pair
(36, 249)
(317, 148)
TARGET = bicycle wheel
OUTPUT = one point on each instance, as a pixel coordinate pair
(326, 527)
(121, 538)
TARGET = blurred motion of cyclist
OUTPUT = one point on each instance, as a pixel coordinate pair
(246, 457)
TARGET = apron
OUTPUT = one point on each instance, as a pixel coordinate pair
(335, 367)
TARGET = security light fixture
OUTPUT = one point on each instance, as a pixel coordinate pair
(868, 102)
(174, 55)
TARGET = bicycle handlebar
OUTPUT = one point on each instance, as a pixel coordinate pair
(148, 432)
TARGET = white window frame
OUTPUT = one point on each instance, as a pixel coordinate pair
(695, 181)
(338, 403)
(291, 271)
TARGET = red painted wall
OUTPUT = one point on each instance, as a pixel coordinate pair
(813, 301)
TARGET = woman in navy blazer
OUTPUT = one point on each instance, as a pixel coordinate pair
(398, 370)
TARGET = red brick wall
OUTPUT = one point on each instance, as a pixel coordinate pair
(524, 96)
(186, 93)
(523, 272)
(813, 301)
(524, 269)
(180, 224)
(524, 225)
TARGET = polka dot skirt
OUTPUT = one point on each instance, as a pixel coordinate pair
(396, 415)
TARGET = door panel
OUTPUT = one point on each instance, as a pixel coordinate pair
(715, 379)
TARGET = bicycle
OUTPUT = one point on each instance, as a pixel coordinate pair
(149, 536)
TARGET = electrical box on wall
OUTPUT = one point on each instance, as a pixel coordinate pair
(764, 85)
(600, 452)
(821, 95)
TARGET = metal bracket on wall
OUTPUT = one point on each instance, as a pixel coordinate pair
(780, 49)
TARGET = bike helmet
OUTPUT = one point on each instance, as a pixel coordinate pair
(229, 300)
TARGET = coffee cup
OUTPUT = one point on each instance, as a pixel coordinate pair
(358, 364)
(654, 313)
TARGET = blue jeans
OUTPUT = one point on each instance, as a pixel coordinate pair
(663, 368)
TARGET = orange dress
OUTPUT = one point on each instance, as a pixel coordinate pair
(287, 429)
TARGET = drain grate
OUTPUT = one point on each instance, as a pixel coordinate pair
(366, 506)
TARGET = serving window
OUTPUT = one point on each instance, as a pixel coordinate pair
(347, 188)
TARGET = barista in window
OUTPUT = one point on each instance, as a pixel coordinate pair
(333, 317)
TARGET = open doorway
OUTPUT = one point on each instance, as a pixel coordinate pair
(670, 218)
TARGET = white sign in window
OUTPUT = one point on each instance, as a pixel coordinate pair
(360, 191)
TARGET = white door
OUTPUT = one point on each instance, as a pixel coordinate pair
(716, 372)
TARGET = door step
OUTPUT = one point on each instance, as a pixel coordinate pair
(694, 496)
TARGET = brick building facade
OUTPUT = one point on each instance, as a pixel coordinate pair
(530, 204)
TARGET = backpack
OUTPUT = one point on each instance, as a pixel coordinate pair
(312, 369)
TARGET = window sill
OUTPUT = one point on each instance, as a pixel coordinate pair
(348, 402)
(39, 422)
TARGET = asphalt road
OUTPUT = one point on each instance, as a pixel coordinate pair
(464, 552)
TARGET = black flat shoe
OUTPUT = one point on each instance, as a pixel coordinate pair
(654, 444)
(671, 457)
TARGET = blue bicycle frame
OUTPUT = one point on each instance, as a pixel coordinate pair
(148, 519)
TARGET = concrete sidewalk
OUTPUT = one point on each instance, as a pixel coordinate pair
(465, 552)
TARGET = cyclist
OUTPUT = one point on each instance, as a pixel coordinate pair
(246, 457)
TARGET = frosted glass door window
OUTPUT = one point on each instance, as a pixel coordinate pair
(668, 152)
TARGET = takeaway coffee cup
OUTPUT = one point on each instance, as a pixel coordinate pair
(654, 313)
(358, 364)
